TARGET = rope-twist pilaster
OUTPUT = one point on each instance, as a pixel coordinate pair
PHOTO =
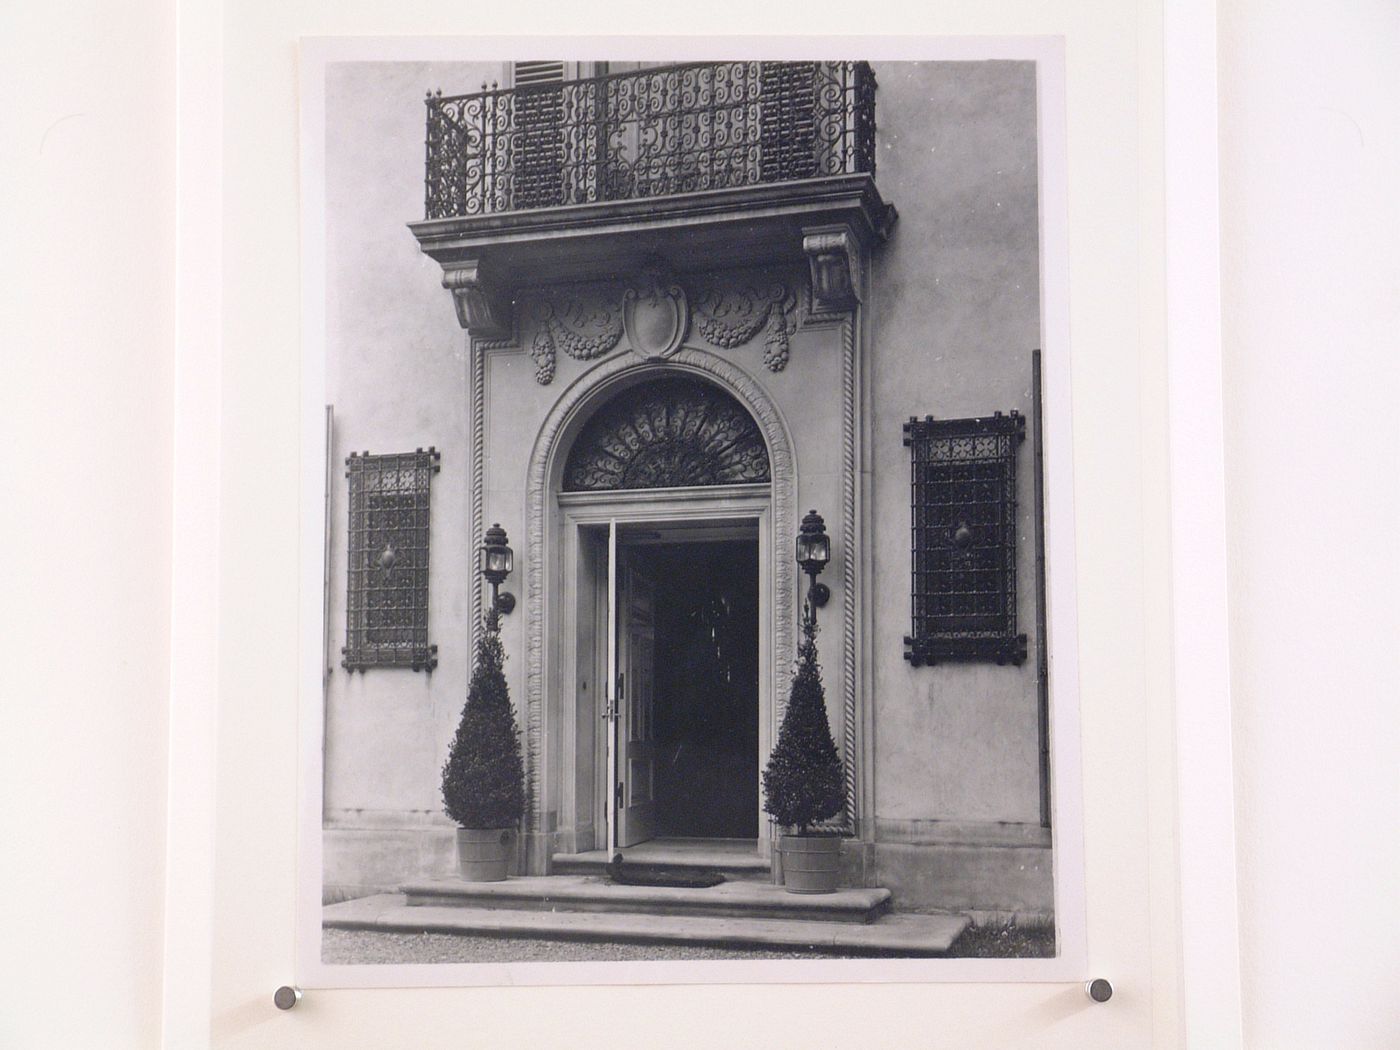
(477, 370)
(850, 574)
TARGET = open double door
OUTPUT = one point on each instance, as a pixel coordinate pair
(678, 652)
(630, 713)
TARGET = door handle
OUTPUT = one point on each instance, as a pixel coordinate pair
(613, 708)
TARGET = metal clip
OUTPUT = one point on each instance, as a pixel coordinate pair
(1099, 989)
(286, 997)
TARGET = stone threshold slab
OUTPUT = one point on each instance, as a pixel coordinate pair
(907, 935)
(682, 857)
(740, 899)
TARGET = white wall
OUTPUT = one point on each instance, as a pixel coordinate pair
(1312, 255)
(1310, 209)
(86, 333)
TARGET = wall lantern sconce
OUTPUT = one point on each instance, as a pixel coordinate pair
(813, 552)
(497, 561)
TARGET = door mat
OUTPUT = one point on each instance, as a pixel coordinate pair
(626, 874)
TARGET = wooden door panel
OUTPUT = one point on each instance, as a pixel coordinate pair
(637, 814)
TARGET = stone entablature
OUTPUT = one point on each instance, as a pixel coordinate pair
(827, 224)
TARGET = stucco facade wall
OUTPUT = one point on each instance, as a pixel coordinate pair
(397, 378)
(951, 316)
(954, 315)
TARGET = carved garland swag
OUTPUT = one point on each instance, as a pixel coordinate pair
(587, 321)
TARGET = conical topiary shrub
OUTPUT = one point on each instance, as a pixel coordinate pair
(803, 784)
(483, 780)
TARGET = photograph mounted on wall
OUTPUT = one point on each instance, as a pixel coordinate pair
(724, 397)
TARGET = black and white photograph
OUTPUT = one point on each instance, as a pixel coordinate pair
(747, 526)
(688, 436)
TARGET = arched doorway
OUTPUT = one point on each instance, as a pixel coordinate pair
(681, 739)
(663, 486)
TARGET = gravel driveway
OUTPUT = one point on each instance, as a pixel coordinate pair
(367, 946)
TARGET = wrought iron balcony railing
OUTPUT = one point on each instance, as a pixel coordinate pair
(648, 133)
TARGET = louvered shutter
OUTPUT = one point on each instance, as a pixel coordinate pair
(527, 73)
(539, 140)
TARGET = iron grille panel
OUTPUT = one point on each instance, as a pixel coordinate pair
(386, 608)
(667, 433)
(964, 539)
(647, 133)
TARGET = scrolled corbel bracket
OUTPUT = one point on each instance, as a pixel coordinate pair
(483, 307)
(834, 258)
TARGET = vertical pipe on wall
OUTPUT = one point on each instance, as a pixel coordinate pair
(1042, 648)
(326, 667)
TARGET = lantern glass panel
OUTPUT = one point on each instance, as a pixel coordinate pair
(496, 559)
(813, 550)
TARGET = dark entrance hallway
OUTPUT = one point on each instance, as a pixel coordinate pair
(706, 687)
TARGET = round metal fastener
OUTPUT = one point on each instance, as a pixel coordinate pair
(1099, 989)
(286, 997)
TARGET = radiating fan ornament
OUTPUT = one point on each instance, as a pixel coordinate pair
(669, 433)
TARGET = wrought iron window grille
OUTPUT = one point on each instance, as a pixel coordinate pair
(964, 539)
(386, 608)
(646, 133)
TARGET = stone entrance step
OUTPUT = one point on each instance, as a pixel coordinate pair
(732, 858)
(587, 893)
(905, 935)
